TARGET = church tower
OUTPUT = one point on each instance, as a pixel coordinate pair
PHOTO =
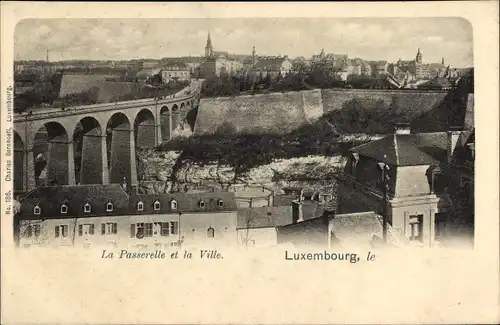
(254, 56)
(209, 50)
(418, 59)
(442, 60)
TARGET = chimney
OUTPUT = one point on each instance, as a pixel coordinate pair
(270, 199)
(452, 139)
(124, 184)
(301, 195)
(402, 128)
(297, 212)
(472, 149)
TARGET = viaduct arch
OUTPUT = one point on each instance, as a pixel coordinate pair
(93, 144)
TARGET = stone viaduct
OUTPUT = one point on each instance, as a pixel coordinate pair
(115, 128)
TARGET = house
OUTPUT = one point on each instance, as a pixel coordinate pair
(406, 176)
(352, 230)
(216, 67)
(257, 226)
(379, 67)
(106, 215)
(249, 198)
(272, 66)
(145, 74)
(175, 71)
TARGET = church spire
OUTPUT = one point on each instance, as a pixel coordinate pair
(209, 41)
(418, 59)
(209, 48)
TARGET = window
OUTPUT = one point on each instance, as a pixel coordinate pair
(210, 232)
(33, 230)
(156, 228)
(109, 207)
(148, 230)
(174, 227)
(440, 225)
(173, 205)
(165, 227)
(87, 208)
(201, 204)
(156, 205)
(36, 230)
(220, 203)
(29, 231)
(139, 230)
(438, 181)
(61, 231)
(85, 229)
(140, 206)
(64, 209)
(416, 227)
(37, 211)
(109, 228)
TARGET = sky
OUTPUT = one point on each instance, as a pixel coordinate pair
(367, 38)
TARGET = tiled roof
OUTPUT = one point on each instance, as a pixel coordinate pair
(380, 64)
(174, 64)
(406, 149)
(353, 229)
(264, 217)
(186, 202)
(357, 228)
(436, 66)
(272, 63)
(50, 199)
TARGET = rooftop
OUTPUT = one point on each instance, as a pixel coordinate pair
(185, 202)
(50, 199)
(264, 217)
(406, 149)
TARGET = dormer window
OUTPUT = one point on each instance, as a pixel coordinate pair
(109, 206)
(87, 208)
(64, 208)
(36, 210)
(140, 206)
(156, 205)
(201, 204)
(173, 205)
(220, 203)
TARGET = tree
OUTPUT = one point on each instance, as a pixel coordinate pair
(246, 236)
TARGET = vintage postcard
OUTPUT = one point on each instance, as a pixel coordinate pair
(242, 163)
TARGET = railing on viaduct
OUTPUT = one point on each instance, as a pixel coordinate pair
(115, 128)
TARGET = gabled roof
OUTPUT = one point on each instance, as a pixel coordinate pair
(406, 149)
(174, 64)
(264, 217)
(273, 63)
(356, 228)
(50, 199)
(186, 202)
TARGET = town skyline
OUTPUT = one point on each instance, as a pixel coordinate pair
(367, 38)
